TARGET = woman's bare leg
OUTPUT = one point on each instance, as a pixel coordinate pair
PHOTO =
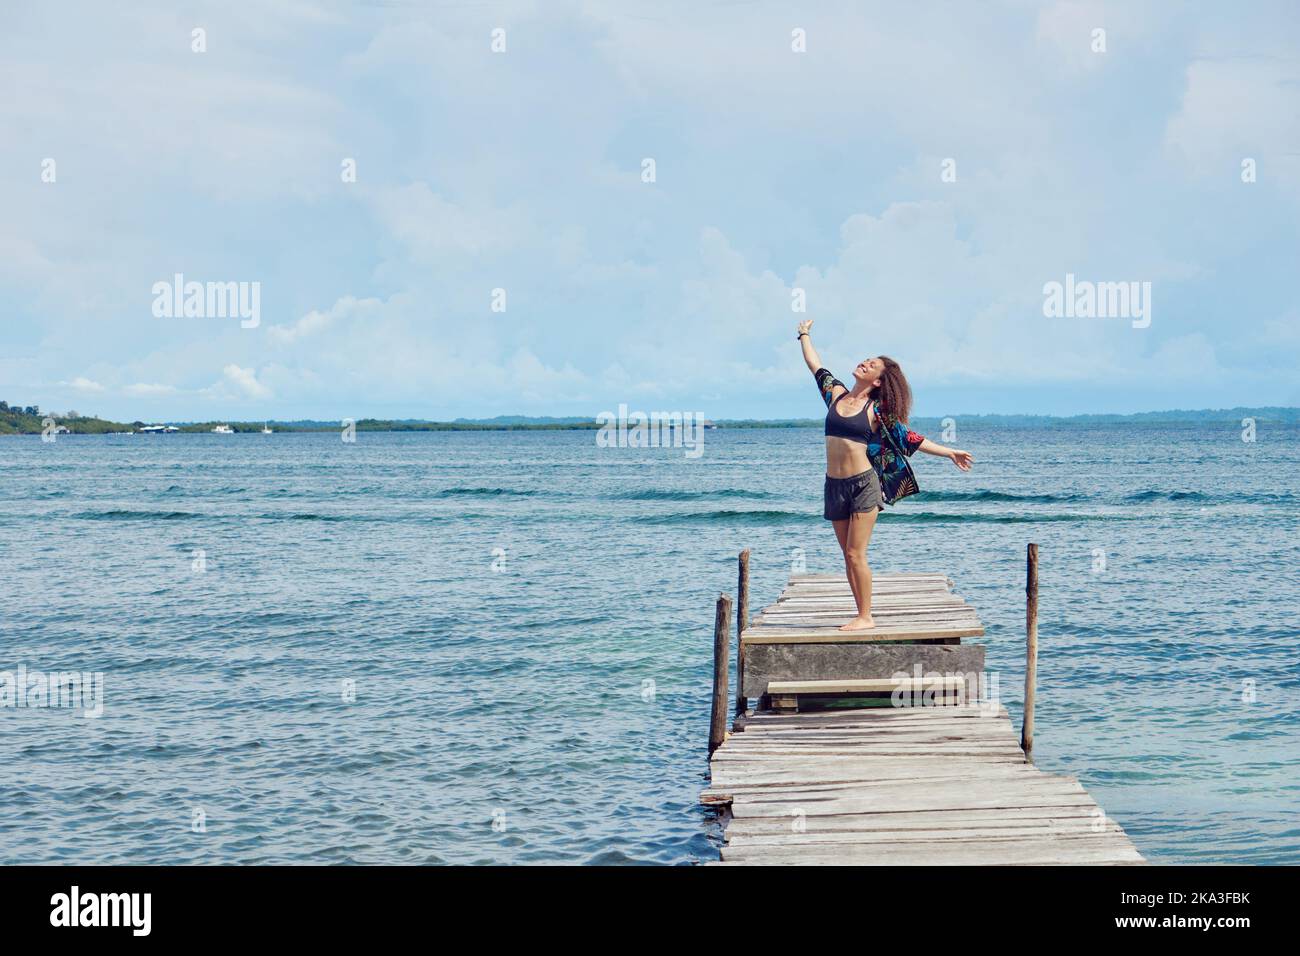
(842, 533)
(855, 562)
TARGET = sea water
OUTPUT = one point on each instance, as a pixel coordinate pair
(496, 647)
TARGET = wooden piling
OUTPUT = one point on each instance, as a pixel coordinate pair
(721, 644)
(1031, 649)
(742, 622)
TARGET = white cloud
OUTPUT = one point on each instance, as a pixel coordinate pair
(1067, 28)
(83, 384)
(244, 381)
(144, 389)
(906, 284)
(1238, 108)
(432, 228)
(316, 321)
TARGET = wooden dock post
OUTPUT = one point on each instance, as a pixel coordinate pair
(742, 622)
(1031, 649)
(721, 644)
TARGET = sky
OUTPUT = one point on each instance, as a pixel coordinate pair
(916, 173)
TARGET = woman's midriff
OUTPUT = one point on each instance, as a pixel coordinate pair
(845, 458)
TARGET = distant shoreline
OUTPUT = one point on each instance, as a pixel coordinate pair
(20, 421)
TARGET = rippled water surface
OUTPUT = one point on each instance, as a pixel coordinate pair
(502, 602)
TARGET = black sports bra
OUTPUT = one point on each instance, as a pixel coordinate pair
(853, 427)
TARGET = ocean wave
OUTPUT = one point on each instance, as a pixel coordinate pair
(731, 517)
(892, 514)
(1152, 495)
(666, 494)
(998, 496)
(125, 515)
(310, 516)
(490, 492)
(937, 517)
(1258, 498)
(196, 491)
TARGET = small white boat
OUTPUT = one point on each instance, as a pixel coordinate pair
(157, 429)
(223, 430)
(266, 429)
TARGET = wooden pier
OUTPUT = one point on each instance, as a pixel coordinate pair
(884, 746)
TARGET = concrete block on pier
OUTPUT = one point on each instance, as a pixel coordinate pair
(852, 661)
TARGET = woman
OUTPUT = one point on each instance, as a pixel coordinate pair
(867, 446)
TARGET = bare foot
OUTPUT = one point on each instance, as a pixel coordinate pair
(859, 623)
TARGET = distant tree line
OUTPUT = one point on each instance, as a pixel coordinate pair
(30, 420)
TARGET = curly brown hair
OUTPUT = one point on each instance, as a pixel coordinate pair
(893, 393)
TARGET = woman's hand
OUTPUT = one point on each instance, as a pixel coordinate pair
(805, 326)
(962, 459)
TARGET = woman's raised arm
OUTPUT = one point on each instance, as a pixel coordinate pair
(829, 386)
(810, 355)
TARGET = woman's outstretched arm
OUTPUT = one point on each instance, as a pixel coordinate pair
(962, 459)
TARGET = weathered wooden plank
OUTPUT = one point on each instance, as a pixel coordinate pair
(816, 587)
(1033, 830)
(813, 776)
(866, 736)
(889, 716)
(895, 740)
(803, 606)
(832, 635)
(794, 752)
(1025, 852)
(776, 617)
(834, 587)
(869, 685)
(902, 733)
(973, 711)
(890, 795)
(878, 577)
(750, 726)
(737, 759)
(894, 595)
(915, 749)
(889, 800)
(726, 788)
(830, 624)
(1073, 816)
(846, 593)
(882, 584)
(778, 612)
(994, 780)
(881, 576)
(878, 716)
(988, 727)
(866, 729)
(897, 595)
(960, 728)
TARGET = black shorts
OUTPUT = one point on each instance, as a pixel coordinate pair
(844, 496)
